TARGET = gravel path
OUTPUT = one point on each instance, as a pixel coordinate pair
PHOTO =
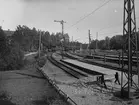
(27, 87)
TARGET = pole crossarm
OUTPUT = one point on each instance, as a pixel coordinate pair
(61, 22)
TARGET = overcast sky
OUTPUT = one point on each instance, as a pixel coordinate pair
(107, 21)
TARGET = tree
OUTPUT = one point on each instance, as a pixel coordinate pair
(26, 38)
(10, 55)
(116, 42)
(93, 44)
(102, 44)
(3, 44)
(107, 42)
(46, 39)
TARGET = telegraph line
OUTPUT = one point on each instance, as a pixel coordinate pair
(90, 13)
(119, 25)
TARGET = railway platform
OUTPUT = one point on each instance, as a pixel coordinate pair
(109, 74)
(90, 67)
(84, 91)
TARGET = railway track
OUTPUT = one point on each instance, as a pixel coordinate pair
(70, 70)
(113, 58)
(86, 72)
(109, 58)
(89, 61)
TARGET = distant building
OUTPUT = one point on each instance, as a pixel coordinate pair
(8, 32)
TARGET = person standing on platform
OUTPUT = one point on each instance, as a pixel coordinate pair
(117, 78)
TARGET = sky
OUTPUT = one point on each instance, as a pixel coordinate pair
(106, 21)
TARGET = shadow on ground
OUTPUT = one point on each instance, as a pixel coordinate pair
(30, 75)
(45, 101)
(133, 95)
(51, 100)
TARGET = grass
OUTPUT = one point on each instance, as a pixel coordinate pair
(4, 99)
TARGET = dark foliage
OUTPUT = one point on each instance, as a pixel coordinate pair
(11, 57)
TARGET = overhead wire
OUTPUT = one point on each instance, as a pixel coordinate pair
(90, 13)
(119, 25)
(93, 13)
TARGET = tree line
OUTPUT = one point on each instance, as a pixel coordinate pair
(115, 43)
(11, 56)
(28, 38)
(25, 39)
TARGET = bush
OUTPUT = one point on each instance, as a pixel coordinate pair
(42, 62)
(15, 59)
(41, 54)
(11, 57)
(12, 60)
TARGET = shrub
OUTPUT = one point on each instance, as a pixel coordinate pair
(11, 57)
(12, 60)
(41, 61)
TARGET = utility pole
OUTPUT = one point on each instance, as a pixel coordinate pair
(89, 41)
(96, 39)
(80, 47)
(72, 44)
(62, 23)
(129, 48)
(39, 43)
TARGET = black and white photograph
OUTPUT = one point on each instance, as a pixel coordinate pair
(69, 52)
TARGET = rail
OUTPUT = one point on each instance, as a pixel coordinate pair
(66, 68)
(102, 64)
